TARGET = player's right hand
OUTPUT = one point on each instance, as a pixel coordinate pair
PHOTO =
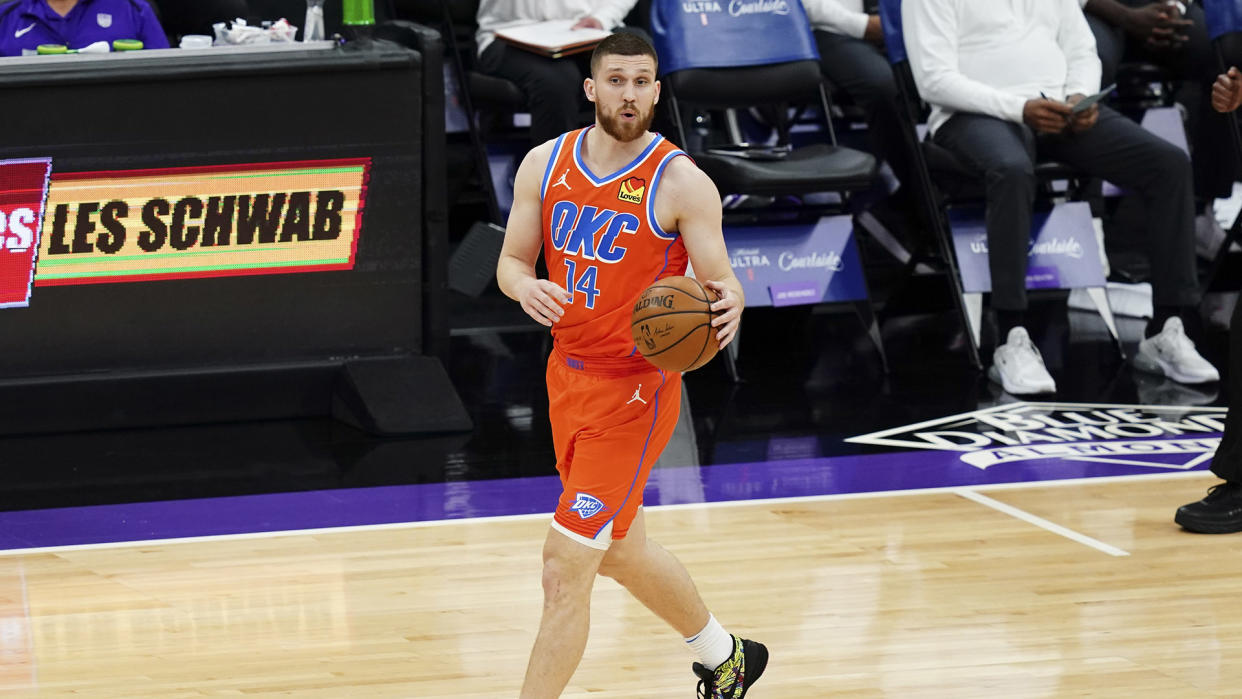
(1227, 91)
(542, 299)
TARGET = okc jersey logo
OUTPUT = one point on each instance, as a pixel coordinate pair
(587, 506)
(632, 190)
(591, 233)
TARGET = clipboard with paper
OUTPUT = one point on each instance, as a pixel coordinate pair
(552, 38)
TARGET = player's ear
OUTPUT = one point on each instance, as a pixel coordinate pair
(588, 86)
(657, 93)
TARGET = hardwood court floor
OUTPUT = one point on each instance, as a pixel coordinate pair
(915, 595)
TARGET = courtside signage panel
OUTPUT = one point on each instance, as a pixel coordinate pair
(192, 222)
(23, 191)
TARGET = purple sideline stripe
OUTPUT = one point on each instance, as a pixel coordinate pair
(456, 500)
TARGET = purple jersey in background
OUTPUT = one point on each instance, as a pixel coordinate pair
(25, 24)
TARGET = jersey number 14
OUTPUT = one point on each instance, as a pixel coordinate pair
(584, 283)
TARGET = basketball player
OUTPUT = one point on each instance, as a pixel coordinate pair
(615, 207)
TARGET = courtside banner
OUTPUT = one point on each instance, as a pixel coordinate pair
(23, 190)
(210, 221)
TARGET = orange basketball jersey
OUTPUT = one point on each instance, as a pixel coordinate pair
(602, 243)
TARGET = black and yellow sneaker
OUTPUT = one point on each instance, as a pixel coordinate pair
(735, 675)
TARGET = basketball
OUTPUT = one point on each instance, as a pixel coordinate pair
(671, 324)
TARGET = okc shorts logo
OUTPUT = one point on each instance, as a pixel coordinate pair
(587, 506)
(23, 195)
(1166, 437)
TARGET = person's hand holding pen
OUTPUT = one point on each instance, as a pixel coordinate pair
(1052, 116)
(1046, 115)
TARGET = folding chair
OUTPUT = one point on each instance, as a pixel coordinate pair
(719, 61)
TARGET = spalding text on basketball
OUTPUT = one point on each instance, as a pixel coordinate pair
(649, 301)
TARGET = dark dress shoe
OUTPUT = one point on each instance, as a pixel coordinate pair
(1218, 513)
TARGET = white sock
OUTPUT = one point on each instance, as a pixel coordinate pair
(712, 644)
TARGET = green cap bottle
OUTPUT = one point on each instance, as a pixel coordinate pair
(126, 45)
(359, 13)
(51, 49)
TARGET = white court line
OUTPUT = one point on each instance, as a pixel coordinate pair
(544, 515)
(1199, 459)
(1041, 522)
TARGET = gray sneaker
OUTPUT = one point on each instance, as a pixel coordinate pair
(1172, 354)
(1018, 366)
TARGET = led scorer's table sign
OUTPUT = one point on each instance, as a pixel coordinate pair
(59, 229)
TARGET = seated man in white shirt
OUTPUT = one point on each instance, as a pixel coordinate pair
(553, 86)
(1001, 78)
(850, 41)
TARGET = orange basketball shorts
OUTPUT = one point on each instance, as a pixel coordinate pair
(611, 419)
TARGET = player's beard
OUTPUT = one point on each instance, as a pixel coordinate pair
(625, 131)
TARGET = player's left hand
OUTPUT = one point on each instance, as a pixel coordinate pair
(729, 310)
(588, 23)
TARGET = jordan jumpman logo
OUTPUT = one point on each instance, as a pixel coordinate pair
(637, 396)
(561, 180)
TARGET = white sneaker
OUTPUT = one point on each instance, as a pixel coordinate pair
(1018, 367)
(1172, 354)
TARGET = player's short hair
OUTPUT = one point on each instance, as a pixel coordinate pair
(623, 44)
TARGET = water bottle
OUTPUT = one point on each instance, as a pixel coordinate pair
(312, 28)
(359, 13)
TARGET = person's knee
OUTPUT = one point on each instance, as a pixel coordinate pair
(565, 579)
(1013, 173)
(876, 94)
(886, 91)
(1172, 160)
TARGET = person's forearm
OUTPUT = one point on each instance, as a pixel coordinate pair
(1083, 62)
(931, 28)
(832, 16)
(955, 91)
(510, 273)
(735, 285)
